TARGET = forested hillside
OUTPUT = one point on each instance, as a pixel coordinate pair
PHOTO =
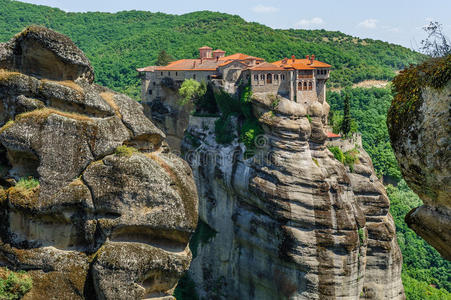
(118, 43)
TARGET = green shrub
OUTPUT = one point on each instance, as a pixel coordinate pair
(249, 132)
(125, 151)
(14, 285)
(361, 236)
(338, 154)
(190, 90)
(350, 158)
(27, 183)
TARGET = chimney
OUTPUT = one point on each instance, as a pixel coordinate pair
(312, 58)
(307, 57)
(285, 60)
(293, 58)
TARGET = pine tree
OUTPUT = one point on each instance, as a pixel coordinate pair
(164, 58)
(346, 124)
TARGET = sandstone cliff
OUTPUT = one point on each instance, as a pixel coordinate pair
(292, 222)
(113, 209)
(420, 132)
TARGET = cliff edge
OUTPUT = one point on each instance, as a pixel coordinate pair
(92, 203)
(420, 130)
(289, 220)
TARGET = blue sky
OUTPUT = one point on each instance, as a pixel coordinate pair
(395, 21)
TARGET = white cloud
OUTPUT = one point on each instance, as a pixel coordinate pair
(262, 9)
(309, 23)
(369, 23)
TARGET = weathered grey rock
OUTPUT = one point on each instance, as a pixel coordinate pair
(421, 140)
(102, 223)
(292, 222)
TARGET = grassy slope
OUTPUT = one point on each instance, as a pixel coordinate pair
(118, 43)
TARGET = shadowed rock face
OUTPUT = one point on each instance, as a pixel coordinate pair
(103, 223)
(421, 139)
(292, 222)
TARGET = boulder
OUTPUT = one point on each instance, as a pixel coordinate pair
(420, 132)
(92, 203)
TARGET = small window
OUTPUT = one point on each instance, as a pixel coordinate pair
(176, 73)
(299, 86)
(169, 73)
(282, 76)
(276, 77)
(310, 86)
(255, 77)
(194, 76)
(319, 72)
(150, 92)
(154, 83)
(161, 73)
(262, 77)
(305, 85)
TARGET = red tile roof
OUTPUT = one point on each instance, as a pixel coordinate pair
(333, 135)
(267, 67)
(301, 64)
(206, 64)
(219, 51)
(205, 47)
(240, 56)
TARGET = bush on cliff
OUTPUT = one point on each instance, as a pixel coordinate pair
(14, 285)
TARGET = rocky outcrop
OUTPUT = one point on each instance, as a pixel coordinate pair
(420, 132)
(170, 116)
(291, 222)
(92, 203)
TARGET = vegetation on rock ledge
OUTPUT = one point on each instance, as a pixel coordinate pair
(14, 285)
(408, 87)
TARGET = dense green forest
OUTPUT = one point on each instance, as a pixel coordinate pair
(369, 112)
(425, 274)
(119, 43)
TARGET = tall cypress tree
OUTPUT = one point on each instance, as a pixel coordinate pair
(164, 58)
(346, 124)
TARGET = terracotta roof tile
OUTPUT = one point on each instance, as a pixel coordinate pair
(332, 135)
(267, 67)
(301, 64)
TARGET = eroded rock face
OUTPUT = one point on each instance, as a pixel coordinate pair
(421, 139)
(114, 209)
(292, 222)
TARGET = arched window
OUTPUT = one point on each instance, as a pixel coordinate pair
(194, 76)
(169, 73)
(276, 77)
(262, 77)
(269, 78)
(305, 85)
(310, 86)
(299, 86)
(282, 76)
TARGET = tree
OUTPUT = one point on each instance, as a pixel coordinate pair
(191, 90)
(346, 124)
(164, 58)
(436, 44)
